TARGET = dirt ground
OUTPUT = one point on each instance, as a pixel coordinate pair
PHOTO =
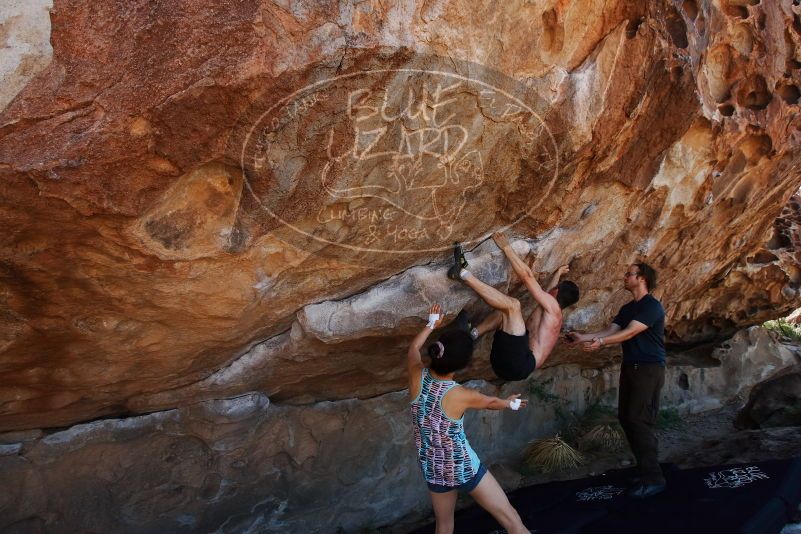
(710, 438)
(707, 438)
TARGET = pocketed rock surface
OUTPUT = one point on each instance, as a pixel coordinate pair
(142, 255)
(206, 200)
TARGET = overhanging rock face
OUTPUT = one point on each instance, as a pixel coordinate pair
(182, 185)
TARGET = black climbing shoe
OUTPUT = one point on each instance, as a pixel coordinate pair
(459, 263)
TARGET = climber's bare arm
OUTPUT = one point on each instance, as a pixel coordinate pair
(557, 275)
(526, 275)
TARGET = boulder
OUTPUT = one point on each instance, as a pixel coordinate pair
(774, 402)
(181, 183)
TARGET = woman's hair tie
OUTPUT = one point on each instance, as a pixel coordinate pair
(440, 350)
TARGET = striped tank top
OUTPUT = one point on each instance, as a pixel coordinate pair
(445, 455)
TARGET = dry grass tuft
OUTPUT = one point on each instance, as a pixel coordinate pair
(606, 436)
(552, 454)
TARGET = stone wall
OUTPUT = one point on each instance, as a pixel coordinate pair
(247, 465)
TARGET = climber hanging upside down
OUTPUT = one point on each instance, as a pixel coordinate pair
(519, 345)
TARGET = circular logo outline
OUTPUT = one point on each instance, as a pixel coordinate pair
(355, 248)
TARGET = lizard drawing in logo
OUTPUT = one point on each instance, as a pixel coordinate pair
(408, 159)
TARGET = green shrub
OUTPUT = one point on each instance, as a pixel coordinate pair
(598, 414)
(574, 425)
(537, 389)
(668, 418)
(784, 329)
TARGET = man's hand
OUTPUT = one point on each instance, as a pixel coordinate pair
(592, 346)
(557, 274)
(572, 338)
(501, 240)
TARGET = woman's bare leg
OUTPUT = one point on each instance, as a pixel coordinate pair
(444, 504)
(492, 498)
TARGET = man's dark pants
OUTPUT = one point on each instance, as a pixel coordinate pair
(638, 405)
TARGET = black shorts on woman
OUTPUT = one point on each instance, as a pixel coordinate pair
(511, 357)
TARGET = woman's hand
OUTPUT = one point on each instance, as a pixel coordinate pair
(523, 402)
(414, 360)
(435, 323)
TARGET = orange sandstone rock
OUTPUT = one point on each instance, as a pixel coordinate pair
(182, 183)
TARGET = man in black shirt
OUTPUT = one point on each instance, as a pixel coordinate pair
(640, 327)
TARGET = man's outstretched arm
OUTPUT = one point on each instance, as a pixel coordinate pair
(575, 337)
(526, 275)
(619, 336)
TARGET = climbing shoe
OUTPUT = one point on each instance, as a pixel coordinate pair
(459, 263)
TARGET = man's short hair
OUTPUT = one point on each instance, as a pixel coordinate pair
(567, 294)
(649, 274)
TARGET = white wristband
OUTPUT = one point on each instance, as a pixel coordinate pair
(432, 320)
(514, 404)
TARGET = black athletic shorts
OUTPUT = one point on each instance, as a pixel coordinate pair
(510, 357)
